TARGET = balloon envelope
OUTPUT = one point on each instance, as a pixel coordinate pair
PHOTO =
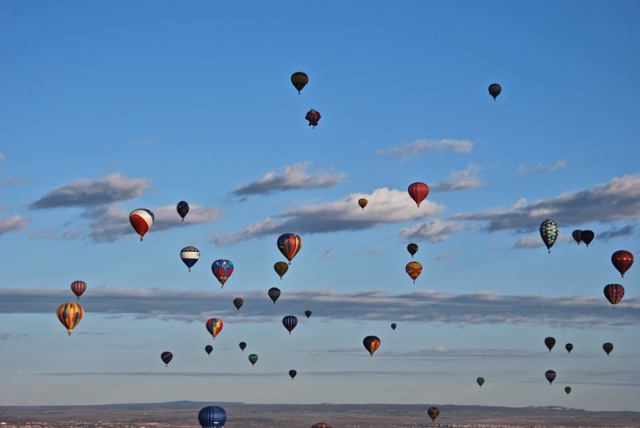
(362, 202)
(587, 236)
(393, 326)
(274, 294)
(550, 375)
(622, 261)
(307, 313)
(567, 389)
(253, 358)
(289, 322)
(313, 116)
(549, 342)
(238, 302)
(214, 325)
(549, 232)
(208, 349)
(70, 314)
(166, 357)
(289, 245)
(371, 344)
(480, 381)
(141, 220)
(242, 345)
(412, 248)
(78, 288)
(222, 270)
(183, 209)
(568, 347)
(577, 236)
(299, 80)
(292, 373)
(321, 425)
(190, 256)
(433, 413)
(608, 347)
(281, 268)
(613, 293)
(418, 192)
(414, 269)
(212, 417)
(494, 90)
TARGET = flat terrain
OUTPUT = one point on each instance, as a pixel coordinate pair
(185, 415)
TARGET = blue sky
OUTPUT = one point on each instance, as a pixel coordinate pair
(106, 107)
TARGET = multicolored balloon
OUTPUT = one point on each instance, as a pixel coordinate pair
(418, 192)
(274, 294)
(281, 268)
(313, 116)
(190, 256)
(622, 261)
(166, 357)
(141, 220)
(549, 232)
(214, 325)
(70, 314)
(290, 322)
(613, 293)
(371, 344)
(78, 288)
(289, 245)
(183, 209)
(414, 269)
(299, 80)
(550, 375)
(222, 270)
(212, 417)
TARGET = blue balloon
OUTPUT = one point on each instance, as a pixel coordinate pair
(212, 417)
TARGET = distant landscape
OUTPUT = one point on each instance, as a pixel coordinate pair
(183, 414)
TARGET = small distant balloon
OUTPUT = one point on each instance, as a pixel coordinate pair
(550, 375)
(253, 358)
(242, 345)
(292, 373)
(567, 389)
(613, 293)
(549, 342)
(274, 294)
(362, 202)
(608, 347)
(494, 90)
(289, 322)
(208, 349)
(622, 261)
(141, 220)
(549, 232)
(413, 269)
(183, 209)
(190, 256)
(393, 326)
(78, 288)
(166, 357)
(587, 236)
(412, 248)
(371, 344)
(213, 326)
(433, 413)
(238, 302)
(299, 80)
(281, 268)
(418, 192)
(307, 313)
(222, 270)
(313, 116)
(568, 347)
(480, 381)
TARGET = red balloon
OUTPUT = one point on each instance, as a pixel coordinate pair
(622, 260)
(78, 288)
(418, 192)
(313, 116)
(613, 293)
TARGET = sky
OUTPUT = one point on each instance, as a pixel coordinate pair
(107, 107)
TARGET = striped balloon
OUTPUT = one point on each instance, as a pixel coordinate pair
(141, 220)
(289, 322)
(289, 245)
(190, 255)
(70, 314)
(613, 293)
(214, 325)
(212, 417)
(78, 288)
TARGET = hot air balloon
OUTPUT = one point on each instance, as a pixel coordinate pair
(494, 90)
(70, 314)
(299, 80)
(362, 202)
(289, 322)
(622, 261)
(242, 345)
(393, 326)
(433, 413)
(549, 342)
(418, 192)
(412, 249)
(289, 245)
(292, 373)
(568, 347)
(214, 325)
(253, 358)
(613, 293)
(480, 381)
(208, 349)
(549, 233)
(166, 357)
(371, 344)
(222, 270)
(587, 236)
(307, 313)
(78, 288)
(281, 268)
(141, 220)
(183, 209)
(313, 116)
(550, 375)
(238, 302)
(577, 236)
(321, 425)
(414, 269)
(608, 347)
(190, 256)
(567, 389)
(212, 417)
(274, 293)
